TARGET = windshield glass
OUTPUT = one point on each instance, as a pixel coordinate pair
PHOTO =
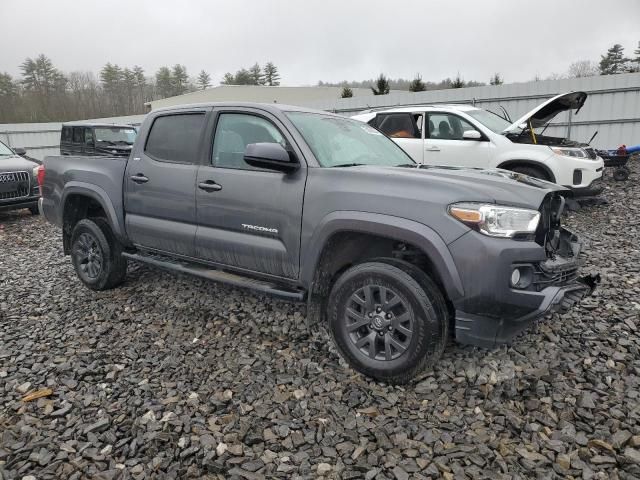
(115, 135)
(339, 141)
(5, 151)
(490, 120)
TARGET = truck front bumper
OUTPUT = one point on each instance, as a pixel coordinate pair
(493, 311)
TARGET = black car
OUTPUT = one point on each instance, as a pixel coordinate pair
(96, 139)
(18, 181)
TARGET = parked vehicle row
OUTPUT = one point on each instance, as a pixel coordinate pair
(463, 135)
(320, 208)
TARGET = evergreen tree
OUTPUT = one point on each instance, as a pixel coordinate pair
(417, 85)
(271, 76)
(382, 86)
(614, 61)
(228, 79)
(204, 80)
(8, 88)
(179, 79)
(496, 79)
(346, 92)
(243, 77)
(636, 60)
(457, 82)
(164, 82)
(257, 77)
(41, 77)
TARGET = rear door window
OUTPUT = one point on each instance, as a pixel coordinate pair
(78, 135)
(400, 125)
(176, 138)
(66, 134)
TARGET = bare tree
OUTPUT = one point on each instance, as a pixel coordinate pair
(582, 68)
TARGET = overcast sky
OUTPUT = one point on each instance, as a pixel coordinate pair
(311, 40)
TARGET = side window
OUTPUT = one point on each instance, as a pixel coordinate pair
(447, 126)
(234, 132)
(78, 135)
(88, 136)
(175, 138)
(400, 125)
(66, 134)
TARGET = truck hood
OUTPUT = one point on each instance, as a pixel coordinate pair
(473, 185)
(15, 163)
(545, 112)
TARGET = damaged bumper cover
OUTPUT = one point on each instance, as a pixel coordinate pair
(502, 311)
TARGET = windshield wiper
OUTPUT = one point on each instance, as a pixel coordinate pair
(107, 141)
(409, 165)
(347, 165)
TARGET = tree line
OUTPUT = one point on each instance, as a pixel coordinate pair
(612, 62)
(43, 93)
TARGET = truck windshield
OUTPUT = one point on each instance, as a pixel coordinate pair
(115, 135)
(5, 151)
(342, 142)
(490, 120)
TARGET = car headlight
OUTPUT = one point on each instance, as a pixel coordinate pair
(570, 152)
(496, 220)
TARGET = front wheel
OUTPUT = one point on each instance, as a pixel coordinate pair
(385, 323)
(96, 255)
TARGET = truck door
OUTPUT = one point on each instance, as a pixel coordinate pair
(444, 143)
(249, 218)
(159, 183)
(406, 130)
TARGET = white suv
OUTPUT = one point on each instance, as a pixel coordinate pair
(462, 135)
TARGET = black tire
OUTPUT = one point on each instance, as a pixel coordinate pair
(34, 210)
(531, 171)
(97, 255)
(621, 174)
(403, 335)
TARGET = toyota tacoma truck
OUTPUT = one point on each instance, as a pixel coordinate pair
(396, 258)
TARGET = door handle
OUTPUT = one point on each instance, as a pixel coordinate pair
(209, 186)
(139, 178)
(432, 149)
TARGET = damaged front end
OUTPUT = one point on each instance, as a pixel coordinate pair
(562, 265)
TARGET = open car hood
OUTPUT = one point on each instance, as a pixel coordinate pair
(545, 112)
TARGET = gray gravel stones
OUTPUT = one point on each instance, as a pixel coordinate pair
(172, 377)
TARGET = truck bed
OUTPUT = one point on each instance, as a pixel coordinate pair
(99, 177)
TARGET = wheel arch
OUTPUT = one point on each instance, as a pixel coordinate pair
(343, 239)
(509, 164)
(81, 200)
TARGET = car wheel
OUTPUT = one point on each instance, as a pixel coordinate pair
(96, 255)
(34, 210)
(385, 323)
(530, 171)
(621, 174)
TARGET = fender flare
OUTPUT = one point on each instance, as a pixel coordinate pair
(530, 163)
(99, 195)
(388, 226)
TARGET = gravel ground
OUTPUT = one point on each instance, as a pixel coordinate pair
(172, 377)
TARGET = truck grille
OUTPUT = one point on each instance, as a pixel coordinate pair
(14, 185)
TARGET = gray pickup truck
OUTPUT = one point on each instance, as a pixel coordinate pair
(395, 257)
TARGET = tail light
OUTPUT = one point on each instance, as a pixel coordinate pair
(39, 170)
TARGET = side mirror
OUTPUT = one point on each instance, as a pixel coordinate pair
(471, 135)
(271, 156)
(20, 151)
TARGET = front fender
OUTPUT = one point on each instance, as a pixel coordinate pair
(389, 226)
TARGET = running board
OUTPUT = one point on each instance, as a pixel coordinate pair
(215, 275)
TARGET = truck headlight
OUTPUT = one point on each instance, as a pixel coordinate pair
(573, 152)
(496, 220)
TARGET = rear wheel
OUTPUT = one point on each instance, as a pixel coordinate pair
(621, 174)
(531, 171)
(385, 323)
(96, 255)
